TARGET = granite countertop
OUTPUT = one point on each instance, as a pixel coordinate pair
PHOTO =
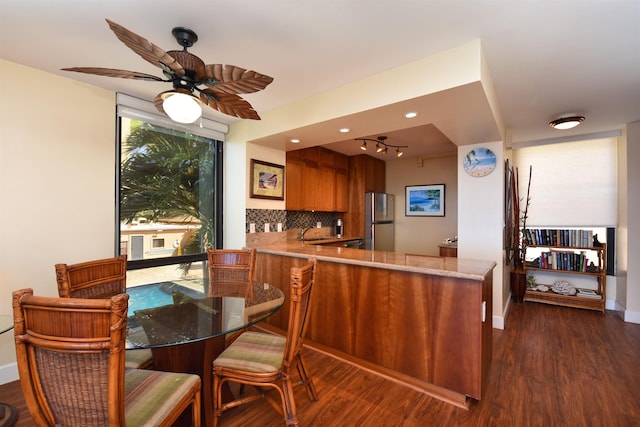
(440, 266)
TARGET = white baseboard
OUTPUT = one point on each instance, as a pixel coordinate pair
(9, 373)
(632, 316)
(497, 322)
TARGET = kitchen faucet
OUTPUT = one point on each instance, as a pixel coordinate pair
(303, 231)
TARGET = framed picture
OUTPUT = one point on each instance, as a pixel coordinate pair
(267, 180)
(424, 200)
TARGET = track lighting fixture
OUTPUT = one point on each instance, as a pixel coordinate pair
(381, 145)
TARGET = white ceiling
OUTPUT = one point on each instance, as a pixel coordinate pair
(546, 58)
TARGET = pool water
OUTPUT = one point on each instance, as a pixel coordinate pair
(148, 296)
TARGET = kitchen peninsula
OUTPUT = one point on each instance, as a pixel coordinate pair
(423, 321)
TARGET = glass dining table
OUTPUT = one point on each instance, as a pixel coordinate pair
(186, 329)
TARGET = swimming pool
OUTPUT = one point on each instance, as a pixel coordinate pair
(148, 296)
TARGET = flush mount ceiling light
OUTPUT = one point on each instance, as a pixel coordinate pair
(381, 145)
(411, 115)
(566, 122)
(181, 106)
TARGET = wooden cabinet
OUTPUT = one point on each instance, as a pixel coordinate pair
(448, 249)
(293, 183)
(326, 185)
(316, 180)
(421, 329)
(366, 174)
(569, 262)
(342, 183)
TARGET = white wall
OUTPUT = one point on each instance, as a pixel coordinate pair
(57, 195)
(481, 219)
(632, 195)
(421, 235)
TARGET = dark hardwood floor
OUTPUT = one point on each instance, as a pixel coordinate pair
(552, 366)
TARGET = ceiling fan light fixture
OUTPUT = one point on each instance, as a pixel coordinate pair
(566, 122)
(181, 107)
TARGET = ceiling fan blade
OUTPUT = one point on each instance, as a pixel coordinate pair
(112, 72)
(233, 80)
(147, 50)
(229, 104)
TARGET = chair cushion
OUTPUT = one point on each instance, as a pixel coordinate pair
(149, 396)
(253, 352)
(137, 358)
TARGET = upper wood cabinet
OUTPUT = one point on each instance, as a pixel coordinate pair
(317, 180)
(342, 183)
(293, 181)
(366, 174)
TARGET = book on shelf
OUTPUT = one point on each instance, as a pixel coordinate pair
(587, 293)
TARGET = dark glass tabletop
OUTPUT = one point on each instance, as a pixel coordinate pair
(179, 312)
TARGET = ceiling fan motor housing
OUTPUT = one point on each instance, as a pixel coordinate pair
(184, 36)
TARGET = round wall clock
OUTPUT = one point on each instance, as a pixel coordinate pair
(479, 162)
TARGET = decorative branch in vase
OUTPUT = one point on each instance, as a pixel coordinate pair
(517, 224)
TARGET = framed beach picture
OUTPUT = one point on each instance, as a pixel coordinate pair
(267, 180)
(424, 200)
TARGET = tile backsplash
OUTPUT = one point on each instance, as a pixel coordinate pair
(288, 219)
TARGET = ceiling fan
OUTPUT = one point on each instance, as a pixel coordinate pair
(217, 85)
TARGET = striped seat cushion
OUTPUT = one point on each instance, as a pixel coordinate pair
(253, 352)
(137, 358)
(149, 396)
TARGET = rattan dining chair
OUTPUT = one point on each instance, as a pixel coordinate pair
(265, 360)
(101, 278)
(70, 356)
(231, 272)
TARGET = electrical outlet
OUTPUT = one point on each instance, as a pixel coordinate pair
(252, 228)
(266, 227)
(319, 224)
(279, 227)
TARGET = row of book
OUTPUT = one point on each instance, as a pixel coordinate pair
(558, 237)
(564, 260)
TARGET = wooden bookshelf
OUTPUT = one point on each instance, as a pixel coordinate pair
(571, 268)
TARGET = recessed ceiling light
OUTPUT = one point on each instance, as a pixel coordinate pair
(344, 130)
(294, 140)
(411, 115)
(566, 122)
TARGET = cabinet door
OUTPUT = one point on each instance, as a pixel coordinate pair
(326, 180)
(342, 183)
(293, 184)
(310, 179)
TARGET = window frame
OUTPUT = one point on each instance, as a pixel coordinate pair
(137, 109)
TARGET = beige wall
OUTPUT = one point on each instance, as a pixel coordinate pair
(57, 156)
(421, 235)
(630, 246)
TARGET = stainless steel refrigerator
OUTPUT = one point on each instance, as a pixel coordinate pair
(378, 232)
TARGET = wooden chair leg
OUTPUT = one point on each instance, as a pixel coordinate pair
(195, 410)
(289, 403)
(306, 380)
